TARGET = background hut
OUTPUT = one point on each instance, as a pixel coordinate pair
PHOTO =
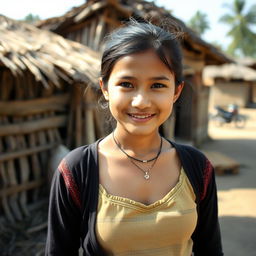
(247, 61)
(231, 84)
(92, 21)
(42, 105)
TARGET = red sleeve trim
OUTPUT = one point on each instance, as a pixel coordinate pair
(70, 182)
(207, 177)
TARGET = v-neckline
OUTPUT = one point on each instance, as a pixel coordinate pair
(134, 202)
(130, 203)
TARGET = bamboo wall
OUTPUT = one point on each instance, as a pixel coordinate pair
(85, 118)
(31, 121)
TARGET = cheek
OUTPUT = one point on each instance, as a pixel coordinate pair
(166, 106)
(117, 102)
(166, 101)
(169, 107)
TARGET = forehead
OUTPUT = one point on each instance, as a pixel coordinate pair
(141, 63)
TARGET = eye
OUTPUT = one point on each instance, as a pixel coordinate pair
(126, 85)
(158, 85)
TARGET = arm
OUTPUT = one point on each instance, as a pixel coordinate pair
(63, 237)
(207, 238)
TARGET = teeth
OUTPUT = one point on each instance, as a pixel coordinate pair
(141, 117)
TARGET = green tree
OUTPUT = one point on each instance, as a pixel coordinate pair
(199, 23)
(31, 18)
(243, 38)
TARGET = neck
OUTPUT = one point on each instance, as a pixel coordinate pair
(139, 145)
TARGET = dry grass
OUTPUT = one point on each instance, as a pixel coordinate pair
(26, 238)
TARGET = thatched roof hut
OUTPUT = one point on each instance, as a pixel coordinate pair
(231, 83)
(111, 13)
(92, 21)
(47, 56)
(228, 72)
(42, 79)
(247, 61)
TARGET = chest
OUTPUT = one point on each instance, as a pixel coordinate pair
(126, 179)
(162, 228)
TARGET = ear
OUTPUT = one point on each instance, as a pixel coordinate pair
(178, 91)
(103, 89)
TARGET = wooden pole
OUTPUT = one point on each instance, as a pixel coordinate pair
(89, 119)
(23, 161)
(5, 181)
(35, 163)
(71, 120)
(78, 111)
(8, 170)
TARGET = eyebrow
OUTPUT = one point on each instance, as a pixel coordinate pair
(160, 78)
(155, 78)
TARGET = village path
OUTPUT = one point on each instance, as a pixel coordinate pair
(237, 192)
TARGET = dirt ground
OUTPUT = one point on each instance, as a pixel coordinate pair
(237, 192)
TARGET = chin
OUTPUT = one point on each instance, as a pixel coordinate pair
(141, 131)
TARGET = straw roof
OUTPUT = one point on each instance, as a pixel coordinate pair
(247, 61)
(229, 72)
(48, 56)
(139, 9)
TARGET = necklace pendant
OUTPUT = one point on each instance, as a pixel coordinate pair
(146, 176)
(144, 161)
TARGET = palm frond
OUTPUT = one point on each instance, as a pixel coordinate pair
(239, 6)
(251, 15)
(243, 38)
(228, 19)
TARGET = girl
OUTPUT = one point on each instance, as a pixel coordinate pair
(134, 192)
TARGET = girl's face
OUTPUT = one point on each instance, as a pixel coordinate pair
(141, 92)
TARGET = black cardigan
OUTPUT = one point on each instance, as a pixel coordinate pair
(74, 200)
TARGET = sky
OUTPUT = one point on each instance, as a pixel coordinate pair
(182, 9)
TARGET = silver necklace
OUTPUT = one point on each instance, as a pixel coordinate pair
(146, 172)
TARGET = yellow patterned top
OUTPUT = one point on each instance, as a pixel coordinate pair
(126, 227)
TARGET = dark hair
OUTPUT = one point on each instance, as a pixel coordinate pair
(136, 37)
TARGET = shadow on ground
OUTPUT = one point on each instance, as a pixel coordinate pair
(243, 151)
(235, 243)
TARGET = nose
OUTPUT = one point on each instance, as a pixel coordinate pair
(141, 101)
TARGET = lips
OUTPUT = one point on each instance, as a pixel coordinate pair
(141, 116)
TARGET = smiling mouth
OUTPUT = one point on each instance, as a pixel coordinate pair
(141, 116)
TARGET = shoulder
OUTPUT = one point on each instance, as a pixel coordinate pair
(77, 161)
(197, 167)
(76, 167)
(189, 153)
(79, 156)
(75, 157)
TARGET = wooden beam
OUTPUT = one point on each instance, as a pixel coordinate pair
(24, 152)
(34, 106)
(21, 187)
(33, 126)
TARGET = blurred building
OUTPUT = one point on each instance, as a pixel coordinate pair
(231, 84)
